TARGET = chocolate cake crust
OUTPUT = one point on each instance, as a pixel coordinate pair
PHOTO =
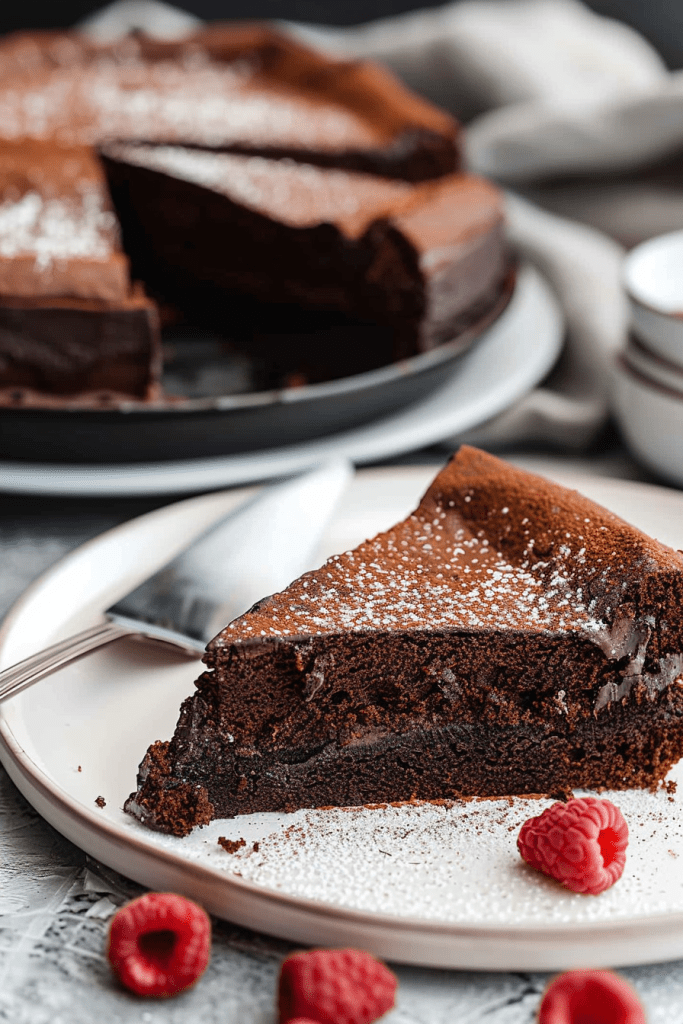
(235, 87)
(58, 232)
(509, 637)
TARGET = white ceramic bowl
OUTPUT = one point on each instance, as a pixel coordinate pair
(650, 415)
(653, 279)
(649, 364)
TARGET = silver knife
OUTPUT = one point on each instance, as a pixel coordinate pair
(253, 551)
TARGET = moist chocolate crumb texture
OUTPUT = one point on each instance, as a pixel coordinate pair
(508, 637)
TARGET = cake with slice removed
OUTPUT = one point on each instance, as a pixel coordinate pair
(72, 330)
(509, 637)
(423, 261)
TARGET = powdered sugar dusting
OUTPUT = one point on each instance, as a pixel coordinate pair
(451, 863)
(78, 227)
(209, 104)
(295, 193)
(438, 572)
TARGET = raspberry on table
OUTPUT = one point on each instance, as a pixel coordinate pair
(334, 986)
(159, 944)
(590, 997)
(582, 844)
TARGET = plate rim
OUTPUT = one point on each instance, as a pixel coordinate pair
(33, 780)
(400, 431)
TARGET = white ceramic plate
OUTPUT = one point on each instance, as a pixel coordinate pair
(513, 355)
(420, 884)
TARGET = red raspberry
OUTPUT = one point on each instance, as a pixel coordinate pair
(581, 843)
(590, 997)
(159, 944)
(335, 986)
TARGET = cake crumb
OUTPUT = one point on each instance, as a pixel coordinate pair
(256, 847)
(563, 795)
(231, 845)
(100, 801)
(672, 852)
(79, 768)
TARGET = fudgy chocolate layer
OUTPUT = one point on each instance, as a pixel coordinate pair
(75, 348)
(419, 734)
(509, 637)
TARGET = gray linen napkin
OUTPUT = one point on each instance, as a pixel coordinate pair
(547, 88)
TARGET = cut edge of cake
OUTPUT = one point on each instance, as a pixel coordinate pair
(74, 328)
(423, 261)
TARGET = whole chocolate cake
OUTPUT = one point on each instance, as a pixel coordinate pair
(509, 637)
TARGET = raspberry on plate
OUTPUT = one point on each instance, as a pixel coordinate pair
(582, 844)
(334, 986)
(590, 997)
(159, 944)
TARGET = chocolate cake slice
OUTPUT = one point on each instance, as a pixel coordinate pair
(71, 322)
(423, 260)
(508, 637)
(241, 87)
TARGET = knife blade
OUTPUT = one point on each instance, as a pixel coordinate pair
(255, 550)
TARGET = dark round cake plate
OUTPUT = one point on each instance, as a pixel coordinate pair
(209, 413)
(511, 357)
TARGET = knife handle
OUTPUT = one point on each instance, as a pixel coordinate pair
(18, 677)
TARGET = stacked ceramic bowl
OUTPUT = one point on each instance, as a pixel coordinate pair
(648, 393)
